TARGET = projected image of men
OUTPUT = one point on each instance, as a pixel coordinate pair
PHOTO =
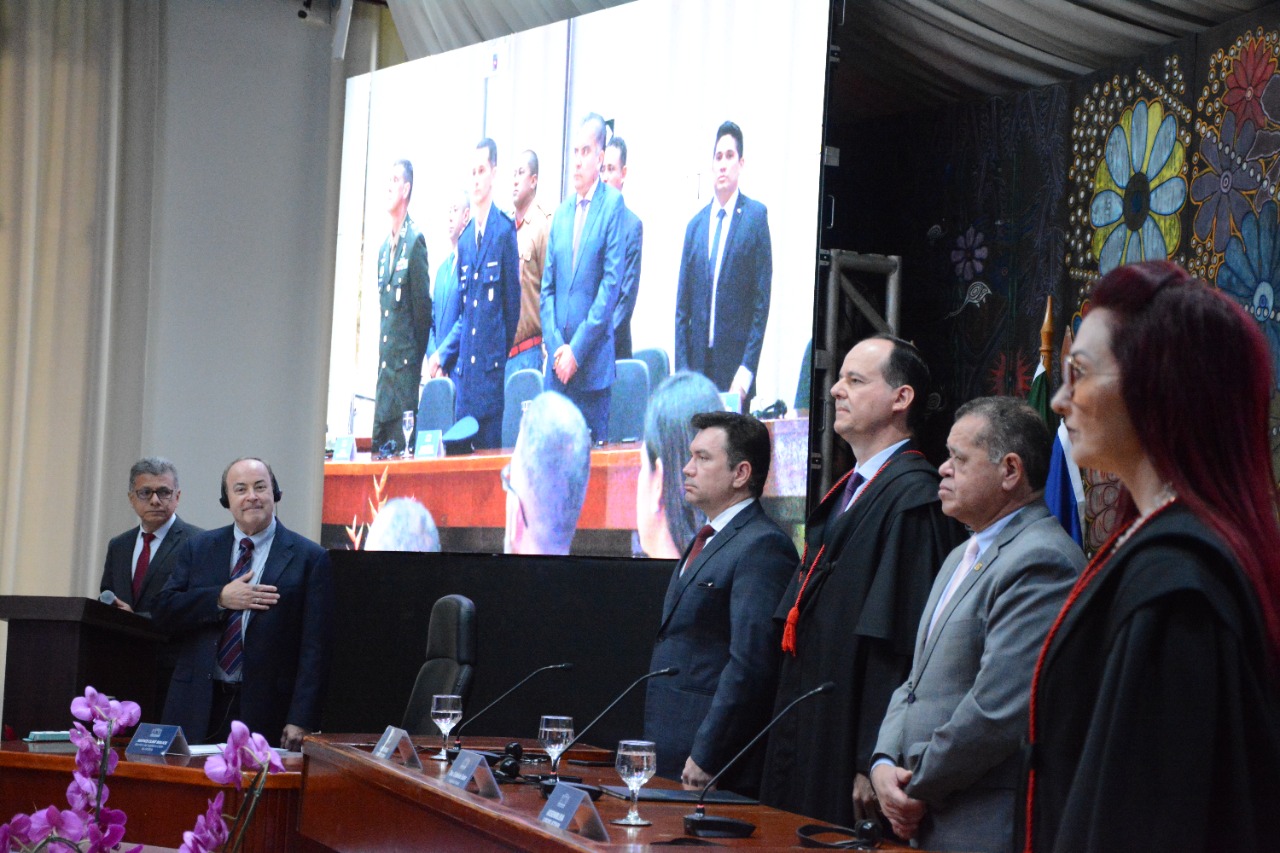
(404, 297)
(726, 272)
(546, 481)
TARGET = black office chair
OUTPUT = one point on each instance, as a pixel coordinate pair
(522, 386)
(659, 364)
(451, 658)
(629, 399)
(435, 408)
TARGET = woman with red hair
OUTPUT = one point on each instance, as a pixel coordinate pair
(1155, 720)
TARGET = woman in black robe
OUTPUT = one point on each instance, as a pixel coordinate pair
(1155, 721)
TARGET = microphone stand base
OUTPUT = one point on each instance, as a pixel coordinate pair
(714, 826)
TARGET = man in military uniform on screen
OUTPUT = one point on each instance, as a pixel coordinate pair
(404, 303)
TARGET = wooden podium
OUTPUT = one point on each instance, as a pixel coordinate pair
(58, 645)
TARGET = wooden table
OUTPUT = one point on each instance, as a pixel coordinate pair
(162, 799)
(408, 810)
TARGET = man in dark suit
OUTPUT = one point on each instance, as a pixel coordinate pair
(717, 619)
(615, 174)
(404, 296)
(446, 306)
(140, 560)
(873, 546)
(475, 351)
(251, 606)
(948, 758)
(580, 283)
(726, 272)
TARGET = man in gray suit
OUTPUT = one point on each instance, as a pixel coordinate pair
(717, 619)
(947, 761)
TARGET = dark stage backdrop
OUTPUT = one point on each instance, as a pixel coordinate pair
(601, 614)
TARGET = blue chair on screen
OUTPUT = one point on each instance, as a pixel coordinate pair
(659, 364)
(435, 408)
(629, 400)
(522, 386)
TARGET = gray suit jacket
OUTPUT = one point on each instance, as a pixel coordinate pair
(958, 721)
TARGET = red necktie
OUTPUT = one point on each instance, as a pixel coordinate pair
(231, 647)
(144, 560)
(699, 542)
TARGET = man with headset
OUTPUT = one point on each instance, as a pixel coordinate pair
(250, 606)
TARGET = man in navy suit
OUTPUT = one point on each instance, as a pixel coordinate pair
(717, 619)
(475, 351)
(615, 173)
(251, 606)
(726, 271)
(581, 281)
(141, 559)
(445, 304)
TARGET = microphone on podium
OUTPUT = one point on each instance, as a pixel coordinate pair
(547, 783)
(457, 742)
(699, 823)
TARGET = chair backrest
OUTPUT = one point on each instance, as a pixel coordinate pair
(435, 409)
(659, 364)
(628, 401)
(451, 658)
(522, 386)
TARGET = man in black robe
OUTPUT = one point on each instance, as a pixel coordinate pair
(850, 613)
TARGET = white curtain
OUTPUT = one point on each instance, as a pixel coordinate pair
(76, 100)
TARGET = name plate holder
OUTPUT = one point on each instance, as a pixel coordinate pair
(344, 448)
(397, 742)
(471, 767)
(430, 444)
(567, 803)
(152, 740)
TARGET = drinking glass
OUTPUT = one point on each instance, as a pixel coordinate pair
(446, 710)
(406, 424)
(555, 734)
(637, 761)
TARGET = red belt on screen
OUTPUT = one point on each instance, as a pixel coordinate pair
(525, 345)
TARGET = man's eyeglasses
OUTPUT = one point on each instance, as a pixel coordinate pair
(144, 494)
(505, 476)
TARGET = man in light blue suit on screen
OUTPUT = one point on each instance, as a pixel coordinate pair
(581, 281)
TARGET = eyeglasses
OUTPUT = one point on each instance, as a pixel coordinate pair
(1073, 372)
(164, 493)
(505, 476)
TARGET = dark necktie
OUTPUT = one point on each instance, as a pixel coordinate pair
(711, 277)
(699, 542)
(231, 646)
(850, 489)
(144, 561)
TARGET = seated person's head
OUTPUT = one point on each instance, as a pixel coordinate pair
(402, 524)
(664, 521)
(546, 481)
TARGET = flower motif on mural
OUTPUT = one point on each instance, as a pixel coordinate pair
(1139, 189)
(969, 254)
(1220, 189)
(1250, 272)
(1247, 81)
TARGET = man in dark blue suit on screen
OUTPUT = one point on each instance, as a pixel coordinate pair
(726, 272)
(717, 619)
(475, 351)
(615, 174)
(581, 281)
(445, 304)
(251, 608)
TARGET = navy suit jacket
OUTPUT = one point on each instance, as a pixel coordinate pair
(446, 305)
(629, 289)
(117, 572)
(578, 301)
(742, 296)
(717, 626)
(286, 648)
(474, 352)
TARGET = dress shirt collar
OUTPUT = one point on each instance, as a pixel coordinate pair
(722, 520)
(160, 532)
(987, 537)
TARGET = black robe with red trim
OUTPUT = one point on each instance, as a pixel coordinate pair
(857, 627)
(1157, 722)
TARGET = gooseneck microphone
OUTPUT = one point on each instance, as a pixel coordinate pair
(457, 741)
(699, 823)
(671, 670)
